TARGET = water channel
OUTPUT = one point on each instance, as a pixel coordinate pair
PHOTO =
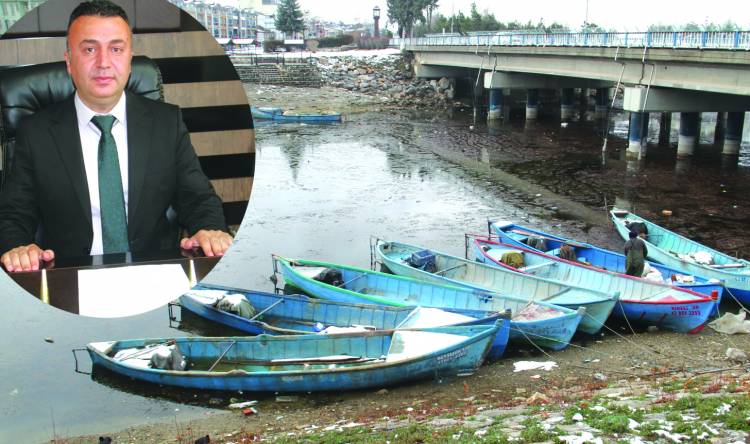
(320, 192)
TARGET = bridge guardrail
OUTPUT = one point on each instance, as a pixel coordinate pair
(731, 40)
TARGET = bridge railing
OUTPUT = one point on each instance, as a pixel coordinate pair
(732, 40)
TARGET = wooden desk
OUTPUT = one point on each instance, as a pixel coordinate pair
(62, 279)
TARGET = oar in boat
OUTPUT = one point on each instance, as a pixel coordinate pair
(450, 268)
(266, 309)
(221, 356)
(342, 285)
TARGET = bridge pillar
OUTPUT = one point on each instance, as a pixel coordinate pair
(721, 120)
(689, 130)
(733, 134)
(532, 104)
(602, 103)
(665, 128)
(567, 109)
(496, 104)
(637, 134)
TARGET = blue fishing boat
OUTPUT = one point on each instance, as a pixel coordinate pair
(440, 268)
(599, 258)
(299, 314)
(641, 301)
(300, 363)
(279, 115)
(539, 323)
(689, 256)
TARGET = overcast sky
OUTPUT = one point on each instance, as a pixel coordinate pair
(630, 15)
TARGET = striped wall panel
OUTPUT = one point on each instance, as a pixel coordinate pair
(197, 76)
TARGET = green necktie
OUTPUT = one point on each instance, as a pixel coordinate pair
(111, 201)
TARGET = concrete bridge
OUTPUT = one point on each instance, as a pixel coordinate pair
(685, 72)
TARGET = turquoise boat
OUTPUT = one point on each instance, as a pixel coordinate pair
(538, 323)
(676, 251)
(275, 314)
(403, 259)
(641, 301)
(278, 115)
(300, 363)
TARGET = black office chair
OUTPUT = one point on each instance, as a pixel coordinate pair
(27, 89)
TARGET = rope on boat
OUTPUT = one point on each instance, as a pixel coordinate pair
(742, 306)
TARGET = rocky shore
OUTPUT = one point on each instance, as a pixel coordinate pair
(389, 77)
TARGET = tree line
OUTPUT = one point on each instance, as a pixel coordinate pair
(415, 18)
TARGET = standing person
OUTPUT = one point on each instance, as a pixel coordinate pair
(635, 252)
(99, 170)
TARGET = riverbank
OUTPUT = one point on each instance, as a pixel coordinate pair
(316, 184)
(648, 387)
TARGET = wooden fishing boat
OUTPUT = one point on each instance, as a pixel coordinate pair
(278, 115)
(300, 314)
(600, 258)
(404, 260)
(539, 323)
(641, 301)
(676, 251)
(302, 363)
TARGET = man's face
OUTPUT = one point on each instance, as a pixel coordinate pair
(98, 59)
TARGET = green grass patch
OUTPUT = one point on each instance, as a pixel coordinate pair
(411, 434)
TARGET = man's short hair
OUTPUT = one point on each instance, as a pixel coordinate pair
(98, 8)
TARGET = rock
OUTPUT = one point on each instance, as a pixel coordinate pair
(242, 405)
(537, 399)
(736, 355)
(444, 83)
(382, 392)
(444, 422)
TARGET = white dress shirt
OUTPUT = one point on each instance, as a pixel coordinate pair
(90, 136)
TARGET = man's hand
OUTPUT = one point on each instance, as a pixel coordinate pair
(212, 242)
(26, 258)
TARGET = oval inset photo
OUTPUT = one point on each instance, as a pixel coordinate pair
(128, 153)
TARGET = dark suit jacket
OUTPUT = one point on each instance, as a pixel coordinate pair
(47, 184)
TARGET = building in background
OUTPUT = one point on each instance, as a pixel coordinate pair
(252, 20)
(12, 10)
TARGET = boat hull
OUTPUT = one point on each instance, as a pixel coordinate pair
(684, 318)
(458, 359)
(465, 273)
(652, 296)
(607, 259)
(298, 314)
(277, 114)
(554, 333)
(737, 282)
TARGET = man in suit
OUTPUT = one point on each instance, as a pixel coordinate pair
(100, 170)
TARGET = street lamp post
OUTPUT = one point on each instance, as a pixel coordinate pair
(376, 18)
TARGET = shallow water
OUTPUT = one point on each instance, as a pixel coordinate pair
(320, 192)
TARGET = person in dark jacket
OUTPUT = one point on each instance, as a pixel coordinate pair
(635, 252)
